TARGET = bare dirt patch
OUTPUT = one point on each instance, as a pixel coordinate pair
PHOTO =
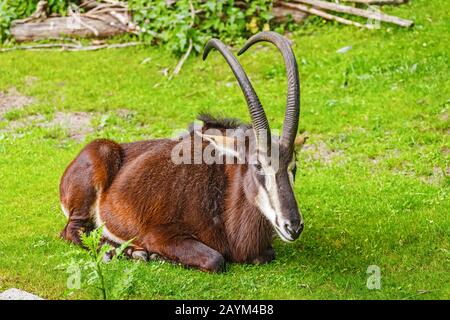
(388, 154)
(30, 80)
(22, 123)
(78, 124)
(12, 99)
(437, 177)
(445, 151)
(319, 151)
(125, 113)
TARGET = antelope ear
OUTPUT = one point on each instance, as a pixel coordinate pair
(223, 144)
(300, 140)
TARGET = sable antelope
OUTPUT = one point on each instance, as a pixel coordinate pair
(199, 215)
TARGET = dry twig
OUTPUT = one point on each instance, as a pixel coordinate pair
(325, 15)
(71, 47)
(379, 16)
(178, 67)
(378, 2)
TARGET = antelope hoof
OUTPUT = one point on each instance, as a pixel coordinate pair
(155, 256)
(72, 235)
(216, 264)
(139, 255)
(108, 256)
(267, 256)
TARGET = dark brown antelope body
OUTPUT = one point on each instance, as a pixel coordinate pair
(199, 215)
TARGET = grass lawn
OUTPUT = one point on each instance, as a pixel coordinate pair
(372, 183)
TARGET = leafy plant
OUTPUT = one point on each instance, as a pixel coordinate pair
(88, 268)
(6, 17)
(177, 24)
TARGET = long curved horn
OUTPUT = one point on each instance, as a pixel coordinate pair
(291, 118)
(257, 114)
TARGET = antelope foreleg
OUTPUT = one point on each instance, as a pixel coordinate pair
(188, 252)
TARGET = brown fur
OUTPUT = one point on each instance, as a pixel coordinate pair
(197, 214)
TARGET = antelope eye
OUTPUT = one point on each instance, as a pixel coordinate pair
(258, 167)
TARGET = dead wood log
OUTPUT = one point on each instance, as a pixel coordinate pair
(325, 15)
(357, 12)
(281, 14)
(102, 26)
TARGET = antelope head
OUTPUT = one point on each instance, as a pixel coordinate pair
(271, 164)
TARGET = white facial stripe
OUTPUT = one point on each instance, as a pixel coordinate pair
(272, 191)
(268, 203)
(263, 203)
(271, 188)
(268, 200)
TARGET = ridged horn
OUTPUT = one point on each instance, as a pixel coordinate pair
(257, 114)
(291, 117)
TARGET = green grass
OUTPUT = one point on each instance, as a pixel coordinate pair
(377, 195)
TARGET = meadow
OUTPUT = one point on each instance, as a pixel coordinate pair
(372, 181)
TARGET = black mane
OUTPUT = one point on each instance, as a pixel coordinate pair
(213, 122)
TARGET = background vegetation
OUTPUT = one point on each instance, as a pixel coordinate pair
(373, 182)
(168, 23)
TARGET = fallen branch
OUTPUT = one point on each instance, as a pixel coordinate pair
(77, 20)
(117, 17)
(357, 12)
(379, 2)
(180, 63)
(71, 47)
(325, 15)
(40, 47)
(106, 46)
(178, 67)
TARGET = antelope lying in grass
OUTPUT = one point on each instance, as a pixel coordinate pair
(200, 215)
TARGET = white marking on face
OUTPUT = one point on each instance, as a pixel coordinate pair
(263, 203)
(268, 202)
(272, 190)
